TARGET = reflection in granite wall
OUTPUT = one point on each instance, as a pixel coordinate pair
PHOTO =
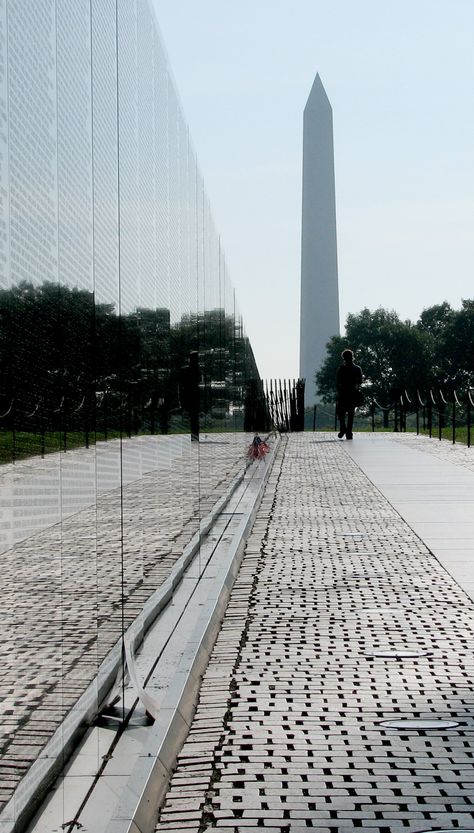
(119, 335)
(73, 371)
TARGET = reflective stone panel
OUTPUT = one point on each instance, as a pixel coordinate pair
(123, 358)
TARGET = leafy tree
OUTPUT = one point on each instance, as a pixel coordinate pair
(326, 376)
(434, 320)
(392, 353)
(455, 348)
(452, 342)
(459, 344)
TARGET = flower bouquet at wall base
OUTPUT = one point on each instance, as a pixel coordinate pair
(257, 449)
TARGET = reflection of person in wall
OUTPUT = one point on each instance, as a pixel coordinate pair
(348, 379)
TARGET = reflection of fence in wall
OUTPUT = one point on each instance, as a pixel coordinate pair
(102, 376)
(285, 403)
(104, 415)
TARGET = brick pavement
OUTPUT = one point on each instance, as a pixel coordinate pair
(288, 730)
(62, 589)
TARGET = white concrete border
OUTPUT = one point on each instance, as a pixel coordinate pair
(140, 802)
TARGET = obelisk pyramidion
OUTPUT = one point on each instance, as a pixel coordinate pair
(319, 319)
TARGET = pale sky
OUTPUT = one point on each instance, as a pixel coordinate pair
(400, 79)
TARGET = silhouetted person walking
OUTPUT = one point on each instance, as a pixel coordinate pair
(349, 379)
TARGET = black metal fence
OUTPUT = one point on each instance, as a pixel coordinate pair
(440, 412)
(285, 403)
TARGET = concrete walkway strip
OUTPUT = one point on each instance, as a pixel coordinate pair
(431, 485)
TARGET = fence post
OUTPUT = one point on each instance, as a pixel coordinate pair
(105, 417)
(135, 419)
(442, 412)
(468, 418)
(152, 414)
(454, 417)
(42, 430)
(129, 414)
(13, 431)
(64, 417)
(372, 409)
(430, 417)
(194, 376)
(314, 417)
(300, 390)
(395, 427)
(293, 408)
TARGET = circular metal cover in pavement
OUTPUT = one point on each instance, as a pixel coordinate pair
(415, 723)
(380, 610)
(403, 653)
(352, 534)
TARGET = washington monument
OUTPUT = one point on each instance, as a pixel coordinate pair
(319, 319)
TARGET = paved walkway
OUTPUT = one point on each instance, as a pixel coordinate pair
(343, 618)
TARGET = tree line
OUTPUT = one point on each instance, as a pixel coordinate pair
(436, 350)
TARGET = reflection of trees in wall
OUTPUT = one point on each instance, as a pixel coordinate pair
(67, 358)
